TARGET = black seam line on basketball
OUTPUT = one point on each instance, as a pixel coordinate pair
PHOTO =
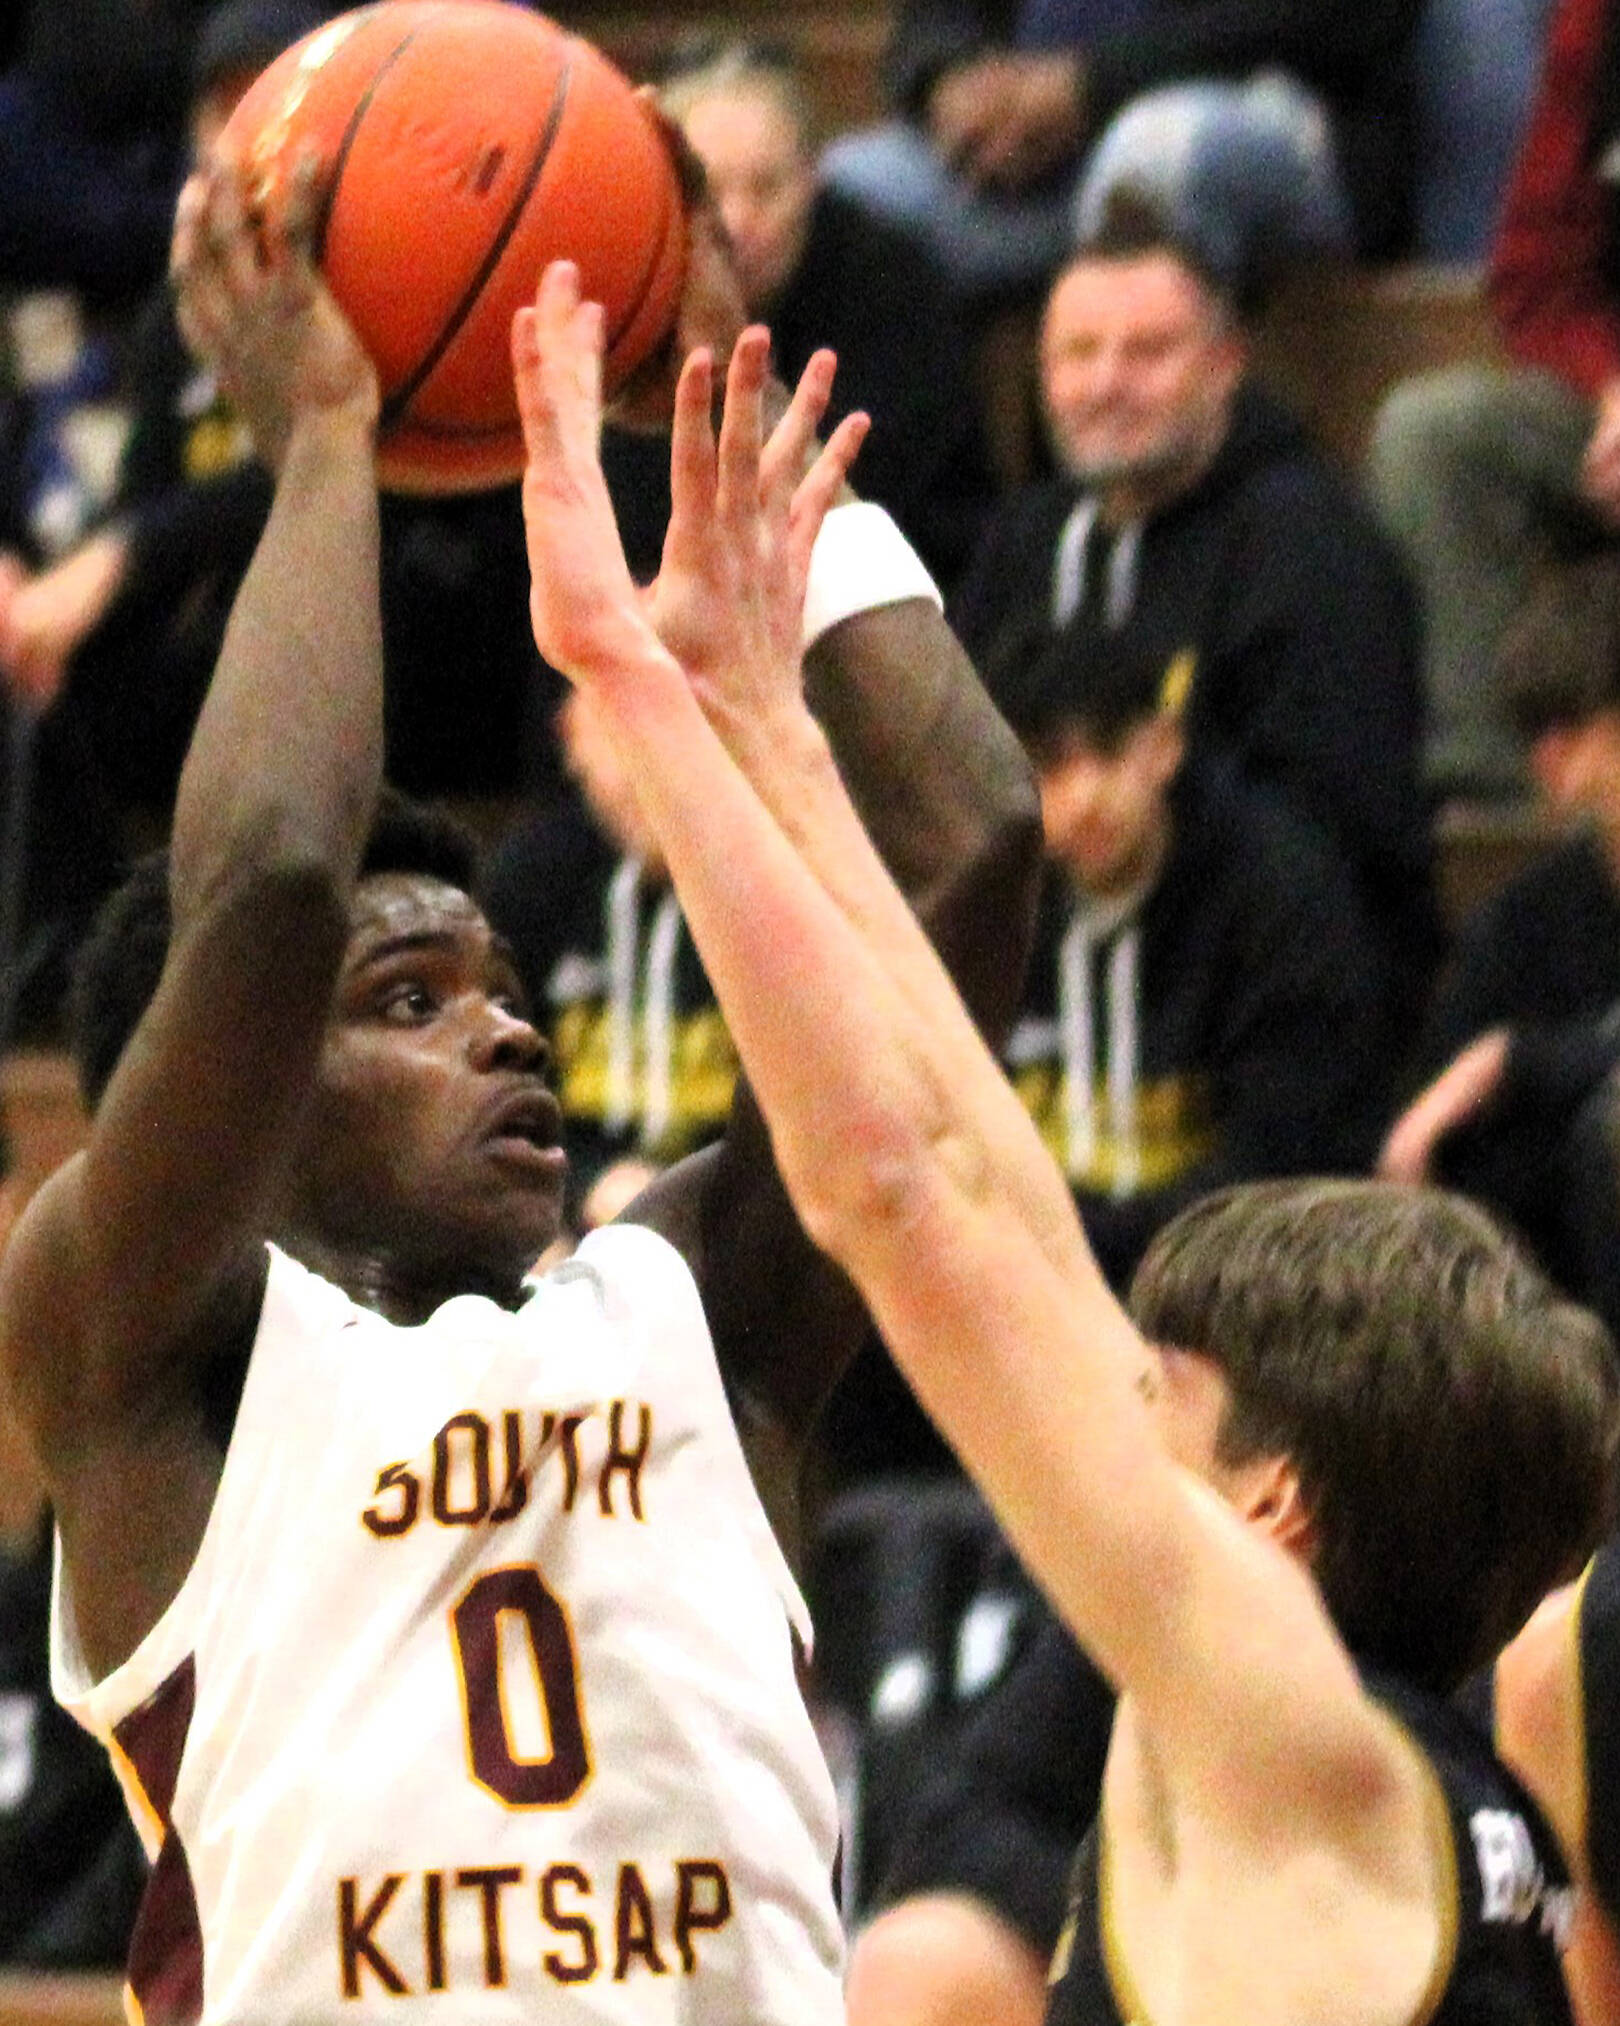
(639, 299)
(396, 404)
(323, 217)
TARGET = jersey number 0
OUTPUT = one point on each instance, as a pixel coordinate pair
(518, 1597)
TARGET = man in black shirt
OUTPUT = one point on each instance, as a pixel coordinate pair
(1188, 512)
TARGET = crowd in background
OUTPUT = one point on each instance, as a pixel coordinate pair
(1247, 677)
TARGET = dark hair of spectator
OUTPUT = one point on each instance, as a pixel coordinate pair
(1134, 225)
(1454, 1421)
(118, 967)
(1080, 683)
(1559, 660)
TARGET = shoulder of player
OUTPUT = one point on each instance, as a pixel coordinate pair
(673, 1205)
(41, 1319)
(64, 1377)
(1539, 1727)
(1291, 1747)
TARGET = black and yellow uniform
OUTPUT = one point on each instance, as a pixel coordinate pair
(1510, 1918)
(1599, 1633)
(1230, 1024)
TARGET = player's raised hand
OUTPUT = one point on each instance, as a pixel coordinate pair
(252, 304)
(729, 599)
(589, 620)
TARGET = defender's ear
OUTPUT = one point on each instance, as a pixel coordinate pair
(1269, 1495)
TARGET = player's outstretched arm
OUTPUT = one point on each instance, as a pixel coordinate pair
(911, 1160)
(140, 1255)
(947, 794)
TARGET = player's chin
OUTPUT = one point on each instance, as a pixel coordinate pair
(525, 1217)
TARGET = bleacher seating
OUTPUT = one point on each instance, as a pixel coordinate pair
(1335, 339)
(73, 1999)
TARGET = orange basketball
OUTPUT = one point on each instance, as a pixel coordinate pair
(462, 145)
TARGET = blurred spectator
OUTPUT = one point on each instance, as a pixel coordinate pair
(975, 1889)
(1480, 471)
(93, 143)
(1190, 513)
(821, 269)
(1204, 1003)
(640, 1056)
(1476, 64)
(111, 643)
(922, 1614)
(1524, 1036)
(151, 586)
(1268, 128)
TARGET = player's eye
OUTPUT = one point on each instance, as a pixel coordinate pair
(406, 1002)
(505, 990)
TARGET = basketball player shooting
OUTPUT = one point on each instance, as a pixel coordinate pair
(431, 1614)
(1290, 1510)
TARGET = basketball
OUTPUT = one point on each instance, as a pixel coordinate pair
(461, 145)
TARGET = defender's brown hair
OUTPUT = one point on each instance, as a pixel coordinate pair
(1453, 1419)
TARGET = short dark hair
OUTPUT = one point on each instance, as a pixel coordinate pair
(1099, 685)
(1452, 1417)
(117, 968)
(1135, 225)
(1559, 660)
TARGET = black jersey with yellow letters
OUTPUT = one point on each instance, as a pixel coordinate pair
(1511, 1917)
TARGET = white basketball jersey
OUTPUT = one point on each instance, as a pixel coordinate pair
(479, 1701)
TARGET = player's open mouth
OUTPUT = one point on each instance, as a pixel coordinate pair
(527, 1128)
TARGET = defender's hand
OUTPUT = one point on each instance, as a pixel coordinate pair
(729, 598)
(588, 617)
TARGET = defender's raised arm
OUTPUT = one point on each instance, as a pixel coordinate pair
(912, 1162)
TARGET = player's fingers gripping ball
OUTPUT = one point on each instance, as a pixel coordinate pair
(463, 145)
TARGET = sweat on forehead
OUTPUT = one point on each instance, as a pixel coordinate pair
(389, 905)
